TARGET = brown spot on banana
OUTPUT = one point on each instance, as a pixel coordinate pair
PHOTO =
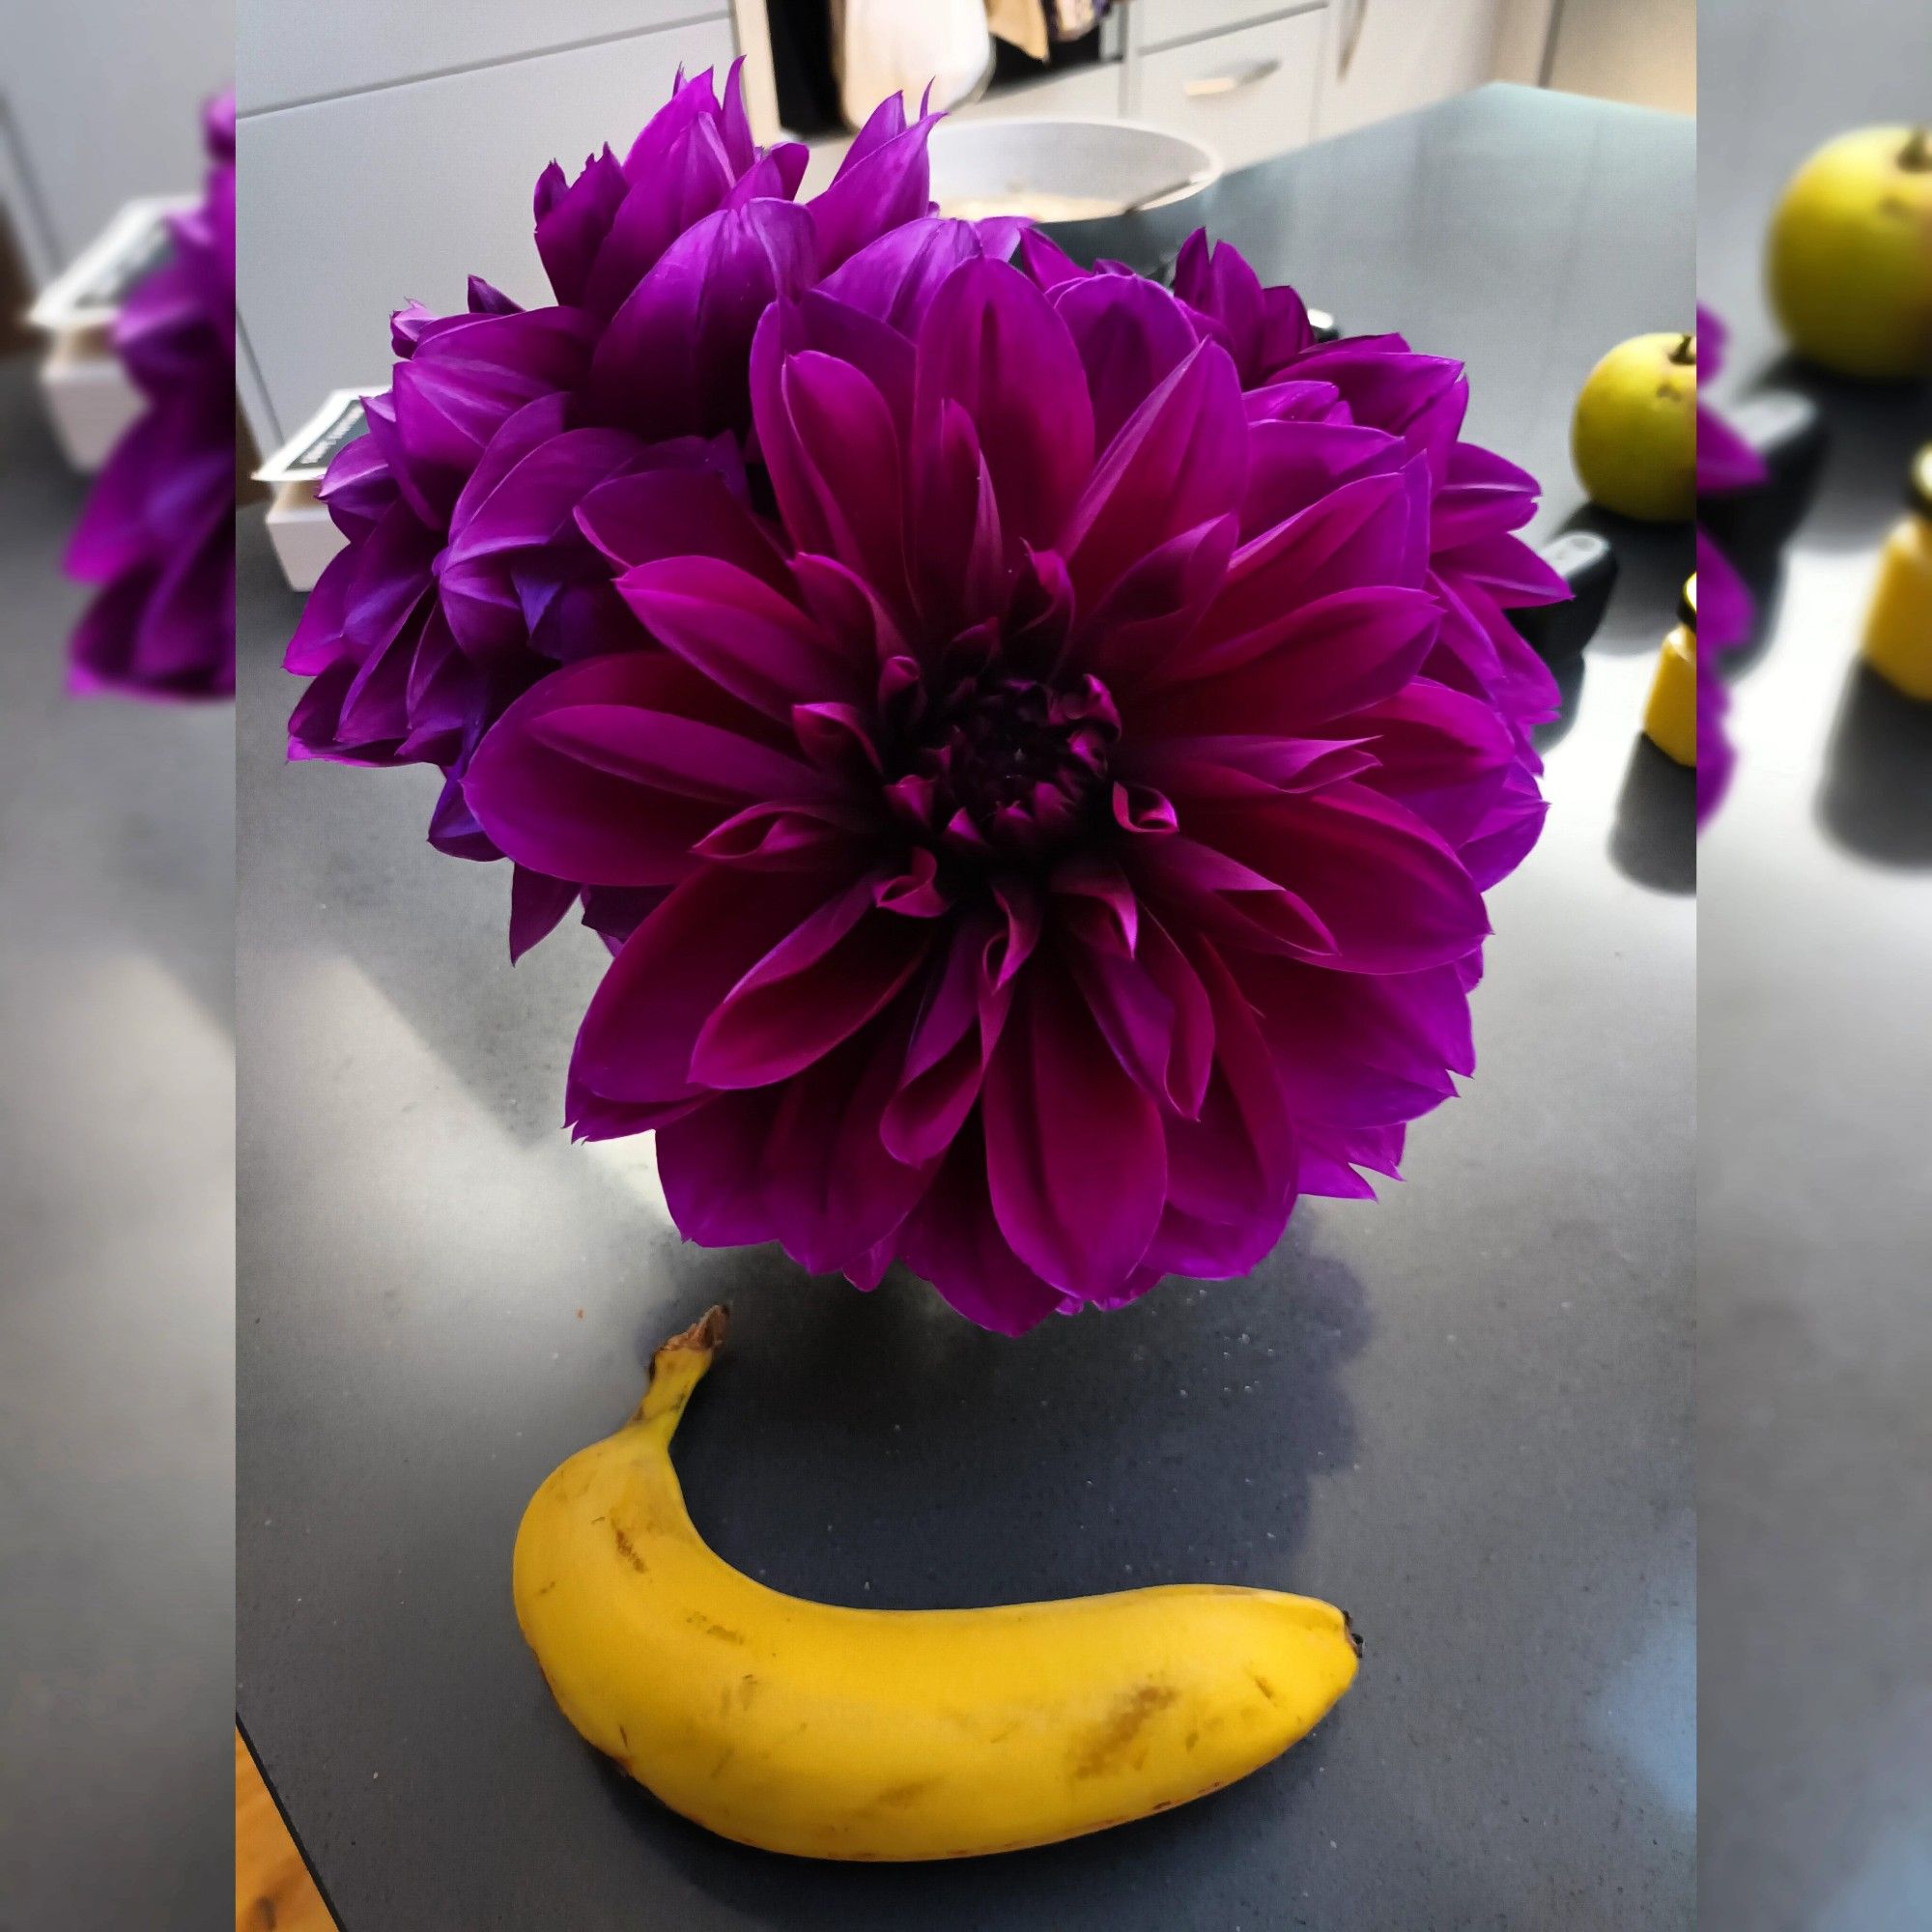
(1108, 1742)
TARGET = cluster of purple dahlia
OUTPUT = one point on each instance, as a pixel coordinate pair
(1725, 464)
(468, 574)
(1040, 740)
(157, 533)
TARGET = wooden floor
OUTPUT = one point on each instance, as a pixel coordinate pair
(274, 1891)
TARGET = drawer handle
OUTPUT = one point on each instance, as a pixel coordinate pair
(1211, 86)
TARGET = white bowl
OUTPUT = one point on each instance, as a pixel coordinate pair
(1064, 173)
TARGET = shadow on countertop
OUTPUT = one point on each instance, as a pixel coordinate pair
(1875, 798)
(1654, 836)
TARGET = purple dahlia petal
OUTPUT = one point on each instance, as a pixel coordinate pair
(956, 1027)
(882, 182)
(674, 511)
(672, 360)
(957, 545)
(1420, 398)
(692, 180)
(1508, 831)
(742, 633)
(1723, 602)
(882, 354)
(155, 537)
(572, 219)
(825, 979)
(1295, 465)
(1725, 462)
(612, 771)
(537, 904)
(992, 343)
(1134, 1016)
(1361, 1050)
(1131, 335)
(833, 453)
(1445, 754)
(1138, 631)
(358, 488)
(1045, 261)
(1318, 662)
(894, 278)
(1076, 1161)
(1178, 462)
(832, 1189)
(1362, 535)
(1232, 1171)
(1484, 494)
(635, 1046)
(954, 1238)
(711, 1163)
(1324, 847)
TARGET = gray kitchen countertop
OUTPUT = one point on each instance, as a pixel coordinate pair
(117, 1259)
(1814, 1376)
(1463, 1412)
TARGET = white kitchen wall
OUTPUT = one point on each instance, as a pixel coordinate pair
(387, 153)
(98, 105)
(1388, 56)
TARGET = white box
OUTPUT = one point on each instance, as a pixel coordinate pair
(90, 400)
(301, 530)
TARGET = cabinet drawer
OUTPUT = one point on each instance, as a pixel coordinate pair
(1246, 95)
(353, 207)
(1160, 23)
(290, 50)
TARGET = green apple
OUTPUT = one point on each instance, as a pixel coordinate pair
(1634, 438)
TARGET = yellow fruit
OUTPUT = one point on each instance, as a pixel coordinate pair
(1849, 262)
(890, 1734)
(1899, 629)
(1671, 717)
(1634, 438)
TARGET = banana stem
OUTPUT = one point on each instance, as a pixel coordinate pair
(679, 1366)
(1685, 352)
(1918, 155)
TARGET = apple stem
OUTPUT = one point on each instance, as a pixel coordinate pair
(1685, 352)
(1918, 155)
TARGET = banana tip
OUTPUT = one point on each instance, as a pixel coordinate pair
(706, 1334)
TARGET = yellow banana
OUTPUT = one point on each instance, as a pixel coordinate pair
(890, 1734)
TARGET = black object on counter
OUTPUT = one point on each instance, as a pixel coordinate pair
(1787, 431)
(1587, 563)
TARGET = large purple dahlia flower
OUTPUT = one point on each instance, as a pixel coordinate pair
(1726, 463)
(1069, 853)
(467, 576)
(1479, 568)
(158, 534)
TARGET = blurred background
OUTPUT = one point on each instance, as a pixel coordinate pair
(1814, 1400)
(117, 825)
(117, 1044)
(361, 104)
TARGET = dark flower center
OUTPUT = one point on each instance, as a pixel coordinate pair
(1004, 764)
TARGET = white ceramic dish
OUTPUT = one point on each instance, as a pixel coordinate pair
(1067, 174)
